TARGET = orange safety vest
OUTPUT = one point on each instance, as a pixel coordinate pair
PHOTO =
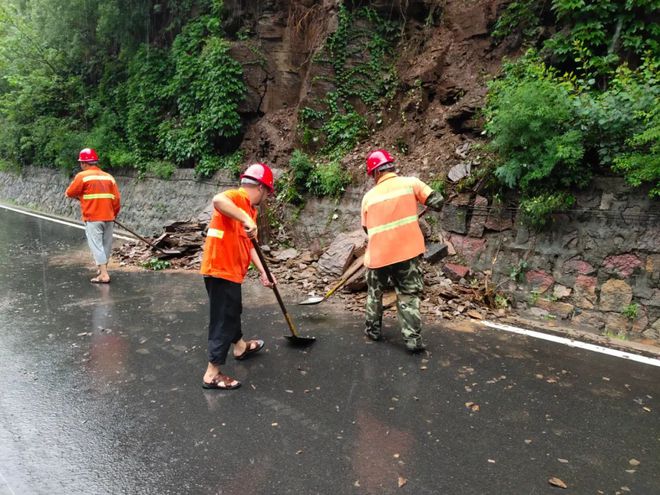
(227, 246)
(389, 213)
(98, 195)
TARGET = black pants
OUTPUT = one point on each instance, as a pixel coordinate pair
(225, 321)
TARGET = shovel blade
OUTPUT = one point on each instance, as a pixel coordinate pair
(299, 341)
(312, 300)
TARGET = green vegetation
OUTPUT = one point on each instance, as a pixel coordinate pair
(359, 57)
(585, 100)
(156, 264)
(518, 271)
(501, 301)
(313, 176)
(631, 311)
(150, 86)
(209, 165)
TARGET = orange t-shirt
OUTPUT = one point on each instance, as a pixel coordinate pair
(389, 213)
(227, 246)
(98, 195)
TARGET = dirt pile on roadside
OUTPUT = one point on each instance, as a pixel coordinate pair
(313, 274)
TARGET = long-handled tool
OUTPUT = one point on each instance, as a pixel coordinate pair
(294, 338)
(164, 251)
(352, 270)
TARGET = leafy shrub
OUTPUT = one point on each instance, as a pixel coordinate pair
(438, 185)
(329, 179)
(521, 16)
(122, 158)
(147, 98)
(642, 163)
(343, 130)
(301, 167)
(207, 86)
(161, 169)
(209, 165)
(535, 132)
(537, 210)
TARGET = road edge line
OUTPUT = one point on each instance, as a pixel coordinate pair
(57, 220)
(573, 343)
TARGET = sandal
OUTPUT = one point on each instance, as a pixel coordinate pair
(221, 382)
(99, 280)
(251, 347)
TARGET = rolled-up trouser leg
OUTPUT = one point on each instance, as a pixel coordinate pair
(108, 228)
(376, 281)
(409, 283)
(94, 231)
(225, 317)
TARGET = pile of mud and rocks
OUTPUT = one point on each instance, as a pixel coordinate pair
(447, 294)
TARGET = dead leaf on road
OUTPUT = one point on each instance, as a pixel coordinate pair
(472, 406)
(557, 482)
(402, 481)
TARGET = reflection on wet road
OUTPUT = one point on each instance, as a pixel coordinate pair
(101, 394)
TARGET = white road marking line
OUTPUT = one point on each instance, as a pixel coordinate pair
(7, 484)
(63, 222)
(574, 343)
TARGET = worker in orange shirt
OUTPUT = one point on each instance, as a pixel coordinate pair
(395, 243)
(228, 251)
(100, 203)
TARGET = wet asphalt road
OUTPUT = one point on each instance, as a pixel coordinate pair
(101, 395)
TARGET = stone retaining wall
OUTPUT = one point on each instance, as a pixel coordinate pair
(598, 266)
(148, 203)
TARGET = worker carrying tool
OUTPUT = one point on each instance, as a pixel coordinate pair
(228, 251)
(395, 243)
(100, 203)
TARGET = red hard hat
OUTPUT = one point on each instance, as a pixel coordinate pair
(261, 173)
(88, 155)
(377, 159)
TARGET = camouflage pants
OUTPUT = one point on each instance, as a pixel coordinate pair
(408, 282)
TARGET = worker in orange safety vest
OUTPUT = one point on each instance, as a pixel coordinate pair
(100, 202)
(228, 251)
(395, 243)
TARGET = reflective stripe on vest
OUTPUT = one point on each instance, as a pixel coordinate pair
(87, 178)
(391, 195)
(99, 196)
(392, 225)
(215, 233)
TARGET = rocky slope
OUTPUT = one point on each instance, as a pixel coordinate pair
(444, 59)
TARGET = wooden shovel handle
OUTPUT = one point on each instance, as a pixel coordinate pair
(288, 319)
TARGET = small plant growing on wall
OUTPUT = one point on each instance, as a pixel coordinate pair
(518, 270)
(631, 311)
(501, 302)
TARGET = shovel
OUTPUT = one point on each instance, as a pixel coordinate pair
(352, 270)
(168, 252)
(294, 338)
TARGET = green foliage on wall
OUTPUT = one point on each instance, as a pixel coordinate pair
(359, 56)
(319, 177)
